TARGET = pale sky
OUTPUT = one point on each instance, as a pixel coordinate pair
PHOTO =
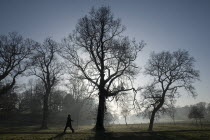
(162, 24)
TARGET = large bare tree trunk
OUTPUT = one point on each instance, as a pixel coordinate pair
(45, 113)
(100, 115)
(152, 121)
(154, 112)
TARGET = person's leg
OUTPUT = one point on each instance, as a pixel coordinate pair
(72, 129)
(65, 129)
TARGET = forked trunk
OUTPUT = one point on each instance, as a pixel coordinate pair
(100, 116)
(154, 112)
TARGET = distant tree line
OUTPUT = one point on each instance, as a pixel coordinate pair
(27, 106)
(30, 101)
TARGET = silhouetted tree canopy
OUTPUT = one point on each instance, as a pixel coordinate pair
(102, 55)
(14, 59)
(170, 72)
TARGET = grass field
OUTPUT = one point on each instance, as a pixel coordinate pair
(162, 131)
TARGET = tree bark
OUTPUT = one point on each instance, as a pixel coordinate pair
(100, 116)
(45, 113)
(152, 120)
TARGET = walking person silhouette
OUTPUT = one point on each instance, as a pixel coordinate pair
(68, 124)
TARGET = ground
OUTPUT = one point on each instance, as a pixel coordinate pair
(162, 131)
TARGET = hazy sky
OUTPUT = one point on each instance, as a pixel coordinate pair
(162, 24)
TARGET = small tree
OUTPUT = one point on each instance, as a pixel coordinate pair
(170, 72)
(197, 112)
(171, 112)
(102, 56)
(124, 103)
(125, 112)
(14, 54)
(208, 112)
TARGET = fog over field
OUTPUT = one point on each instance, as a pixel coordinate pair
(105, 68)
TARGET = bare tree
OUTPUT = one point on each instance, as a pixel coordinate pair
(14, 54)
(103, 56)
(125, 103)
(48, 69)
(170, 71)
(125, 112)
(171, 112)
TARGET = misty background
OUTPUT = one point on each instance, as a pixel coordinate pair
(163, 25)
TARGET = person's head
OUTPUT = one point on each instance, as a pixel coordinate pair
(69, 115)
